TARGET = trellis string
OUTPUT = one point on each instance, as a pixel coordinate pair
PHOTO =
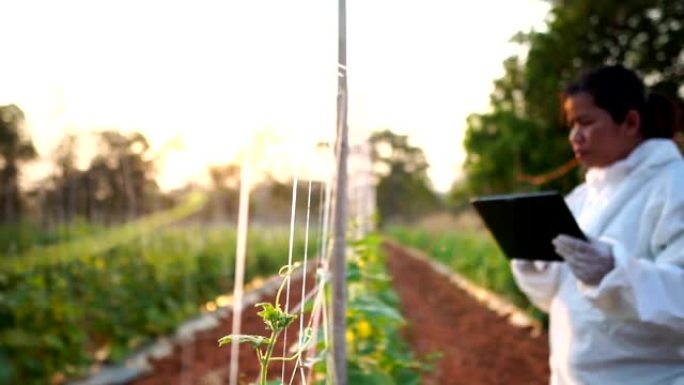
(289, 263)
(303, 299)
(320, 306)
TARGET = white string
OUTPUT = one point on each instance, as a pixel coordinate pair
(320, 305)
(325, 254)
(289, 263)
(314, 321)
(326, 330)
(240, 254)
(319, 302)
(304, 274)
(321, 208)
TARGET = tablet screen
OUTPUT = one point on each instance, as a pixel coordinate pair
(524, 224)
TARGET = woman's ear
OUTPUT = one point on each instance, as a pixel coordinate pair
(632, 123)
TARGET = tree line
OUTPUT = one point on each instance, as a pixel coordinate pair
(524, 135)
(119, 183)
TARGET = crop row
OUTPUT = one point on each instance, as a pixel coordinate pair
(67, 308)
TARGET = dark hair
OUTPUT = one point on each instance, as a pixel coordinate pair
(618, 90)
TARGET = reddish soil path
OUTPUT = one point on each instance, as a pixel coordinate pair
(478, 346)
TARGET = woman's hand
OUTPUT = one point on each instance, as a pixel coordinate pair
(589, 261)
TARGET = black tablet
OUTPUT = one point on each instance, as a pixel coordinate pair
(524, 224)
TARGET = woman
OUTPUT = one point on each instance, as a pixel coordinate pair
(616, 306)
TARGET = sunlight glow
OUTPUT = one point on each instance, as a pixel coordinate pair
(211, 75)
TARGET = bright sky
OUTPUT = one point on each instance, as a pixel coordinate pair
(215, 73)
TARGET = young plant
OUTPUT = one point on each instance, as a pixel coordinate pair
(276, 320)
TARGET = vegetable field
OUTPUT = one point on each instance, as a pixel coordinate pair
(86, 296)
(98, 296)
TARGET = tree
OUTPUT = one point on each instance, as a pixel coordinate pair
(403, 187)
(15, 149)
(525, 135)
(225, 192)
(272, 200)
(121, 177)
(69, 190)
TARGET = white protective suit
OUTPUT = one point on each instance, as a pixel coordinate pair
(630, 328)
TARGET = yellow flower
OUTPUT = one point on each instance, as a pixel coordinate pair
(349, 336)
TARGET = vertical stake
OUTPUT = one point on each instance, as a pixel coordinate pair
(339, 284)
(240, 255)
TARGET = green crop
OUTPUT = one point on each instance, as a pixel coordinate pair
(276, 321)
(57, 318)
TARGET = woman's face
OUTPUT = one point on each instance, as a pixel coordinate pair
(596, 138)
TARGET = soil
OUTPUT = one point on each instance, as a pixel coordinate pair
(478, 347)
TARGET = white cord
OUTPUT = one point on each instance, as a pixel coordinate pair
(304, 273)
(289, 263)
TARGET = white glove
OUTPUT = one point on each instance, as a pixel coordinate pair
(589, 261)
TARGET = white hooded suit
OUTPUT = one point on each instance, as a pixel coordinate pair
(630, 328)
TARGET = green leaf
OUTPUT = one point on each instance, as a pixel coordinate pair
(374, 309)
(274, 317)
(353, 273)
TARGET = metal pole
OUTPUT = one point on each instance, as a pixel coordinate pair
(339, 284)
